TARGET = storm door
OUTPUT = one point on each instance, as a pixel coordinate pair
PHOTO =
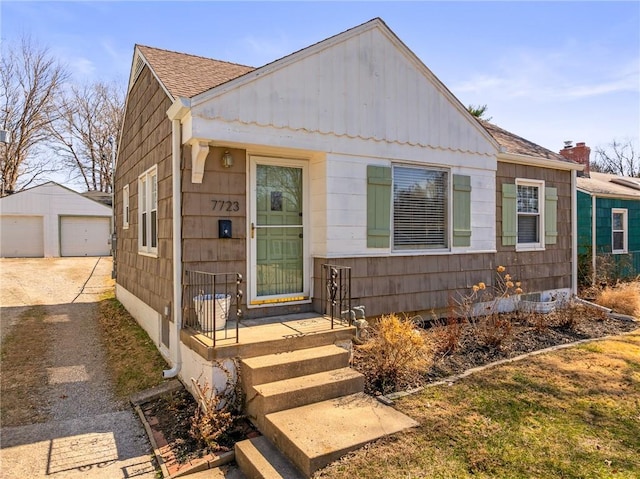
(278, 272)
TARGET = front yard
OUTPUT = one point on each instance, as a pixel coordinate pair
(572, 413)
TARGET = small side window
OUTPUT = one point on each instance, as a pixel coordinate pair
(147, 212)
(618, 231)
(125, 207)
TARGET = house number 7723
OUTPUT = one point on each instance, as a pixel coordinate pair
(221, 205)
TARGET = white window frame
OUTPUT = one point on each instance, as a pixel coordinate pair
(446, 214)
(539, 245)
(147, 205)
(125, 207)
(624, 231)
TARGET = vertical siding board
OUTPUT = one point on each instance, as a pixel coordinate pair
(351, 100)
(392, 94)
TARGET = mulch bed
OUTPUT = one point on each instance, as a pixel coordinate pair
(169, 418)
(528, 333)
(525, 338)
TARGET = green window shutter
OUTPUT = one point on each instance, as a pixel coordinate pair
(550, 215)
(461, 210)
(378, 206)
(509, 215)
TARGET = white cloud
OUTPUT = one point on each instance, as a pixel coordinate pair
(549, 76)
(266, 50)
(81, 68)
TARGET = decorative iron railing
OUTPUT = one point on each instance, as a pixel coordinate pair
(336, 294)
(211, 304)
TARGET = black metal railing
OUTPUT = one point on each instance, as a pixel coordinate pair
(212, 304)
(336, 293)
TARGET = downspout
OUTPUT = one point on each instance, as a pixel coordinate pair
(594, 216)
(574, 233)
(177, 245)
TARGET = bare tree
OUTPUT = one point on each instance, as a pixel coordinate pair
(86, 132)
(30, 80)
(619, 158)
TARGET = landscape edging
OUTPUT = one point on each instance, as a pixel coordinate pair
(388, 399)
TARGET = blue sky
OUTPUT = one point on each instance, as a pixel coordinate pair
(548, 71)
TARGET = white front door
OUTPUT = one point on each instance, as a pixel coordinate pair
(278, 249)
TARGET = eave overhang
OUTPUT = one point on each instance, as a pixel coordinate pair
(541, 162)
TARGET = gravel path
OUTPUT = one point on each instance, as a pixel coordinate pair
(89, 434)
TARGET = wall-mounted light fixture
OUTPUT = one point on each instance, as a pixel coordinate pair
(227, 159)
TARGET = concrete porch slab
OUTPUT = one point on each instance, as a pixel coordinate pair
(256, 337)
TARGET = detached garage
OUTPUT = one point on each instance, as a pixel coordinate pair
(52, 220)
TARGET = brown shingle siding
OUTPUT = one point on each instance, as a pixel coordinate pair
(146, 141)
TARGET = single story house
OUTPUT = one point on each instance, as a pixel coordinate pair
(608, 227)
(51, 220)
(345, 170)
(348, 152)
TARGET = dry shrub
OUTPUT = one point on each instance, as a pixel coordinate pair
(492, 327)
(623, 298)
(395, 356)
(494, 330)
(217, 413)
(540, 321)
(446, 335)
(567, 318)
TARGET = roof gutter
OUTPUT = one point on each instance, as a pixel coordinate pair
(574, 234)
(176, 112)
(536, 161)
(613, 196)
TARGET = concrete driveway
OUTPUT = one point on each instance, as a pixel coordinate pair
(88, 433)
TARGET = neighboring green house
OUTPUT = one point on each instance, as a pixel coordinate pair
(610, 246)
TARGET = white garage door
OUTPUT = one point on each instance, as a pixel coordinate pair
(21, 237)
(84, 236)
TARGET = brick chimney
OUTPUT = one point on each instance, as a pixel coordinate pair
(579, 153)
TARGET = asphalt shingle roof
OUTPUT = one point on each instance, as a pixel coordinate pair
(515, 144)
(188, 75)
(603, 183)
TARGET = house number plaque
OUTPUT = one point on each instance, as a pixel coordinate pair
(225, 205)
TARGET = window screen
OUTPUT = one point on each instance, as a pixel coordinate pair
(618, 226)
(148, 211)
(528, 214)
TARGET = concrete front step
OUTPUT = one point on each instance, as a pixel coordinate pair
(274, 367)
(259, 459)
(315, 435)
(291, 393)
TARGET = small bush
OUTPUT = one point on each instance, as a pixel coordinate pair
(540, 321)
(567, 318)
(395, 356)
(492, 327)
(623, 298)
(494, 330)
(447, 334)
(217, 413)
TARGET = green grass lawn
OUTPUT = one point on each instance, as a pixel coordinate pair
(573, 413)
(135, 364)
